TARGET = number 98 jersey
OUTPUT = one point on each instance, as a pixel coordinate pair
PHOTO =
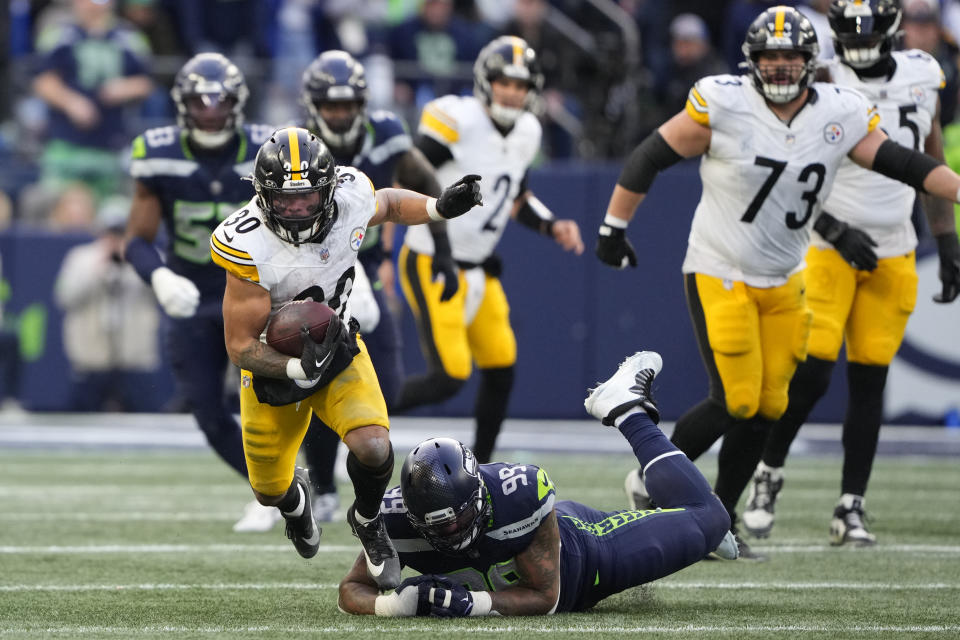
(324, 271)
(764, 179)
(520, 497)
(907, 103)
(463, 126)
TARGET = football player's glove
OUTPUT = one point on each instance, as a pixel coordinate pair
(177, 295)
(444, 265)
(613, 247)
(317, 356)
(460, 197)
(439, 597)
(949, 250)
(854, 245)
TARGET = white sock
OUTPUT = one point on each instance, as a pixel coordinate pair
(360, 519)
(775, 472)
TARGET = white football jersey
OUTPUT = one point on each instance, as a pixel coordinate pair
(907, 104)
(461, 124)
(325, 271)
(764, 180)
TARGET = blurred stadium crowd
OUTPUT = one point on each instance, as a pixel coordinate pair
(615, 70)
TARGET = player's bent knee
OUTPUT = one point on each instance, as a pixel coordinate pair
(370, 444)
(742, 402)
(773, 405)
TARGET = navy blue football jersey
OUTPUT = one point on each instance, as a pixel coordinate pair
(520, 497)
(196, 192)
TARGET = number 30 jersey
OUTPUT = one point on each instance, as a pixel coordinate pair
(463, 126)
(907, 103)
(324, 271)
(764, 179)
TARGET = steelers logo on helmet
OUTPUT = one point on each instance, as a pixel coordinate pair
(295, 178)
(781, 77)
(209, 92)
(864, 31)
(507, 57)
(334, 92)
(445, 496)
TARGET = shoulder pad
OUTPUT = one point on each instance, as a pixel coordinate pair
(440, 119)
(257, 134)
(923, 68)
(157, 139)
(230, 249)
(713, 93)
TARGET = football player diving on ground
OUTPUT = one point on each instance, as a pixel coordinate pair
(493, 539)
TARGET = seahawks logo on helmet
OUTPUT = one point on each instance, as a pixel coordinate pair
(210, 93)
(336, 77)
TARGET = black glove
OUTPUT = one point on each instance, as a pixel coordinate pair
(444, 264)
(614, 249)
(949, 250)
(317, 356)
(460, 197)
(432, 593)
(854, 245)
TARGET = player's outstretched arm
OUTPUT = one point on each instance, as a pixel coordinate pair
(529, 211)
(410, 208)
(358, 593)
(538, 590)
(928, 175)
(679, 137)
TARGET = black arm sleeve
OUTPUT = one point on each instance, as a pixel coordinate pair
(651, 156)
(904, 164)
(436, 152)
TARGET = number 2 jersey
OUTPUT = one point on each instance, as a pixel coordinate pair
(907, 103)
(764, 179)
(324, 271)
(196, 192)
(520, 497)
(461, 124)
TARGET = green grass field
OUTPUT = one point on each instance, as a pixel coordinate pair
(137, 544)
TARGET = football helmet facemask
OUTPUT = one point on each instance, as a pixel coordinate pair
(781, 29)
(210, 93)
(507, 57)
(295, 178)
(445, 497)
(335, 77)
(864, 32)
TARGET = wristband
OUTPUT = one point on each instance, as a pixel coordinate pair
(432, 212)
(613, 221)
(482, 603)
(295, 370)
(396, 605)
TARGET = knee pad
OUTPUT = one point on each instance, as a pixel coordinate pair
(731, 328)
(742, 401)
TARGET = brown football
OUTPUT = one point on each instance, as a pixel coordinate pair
(283, 329)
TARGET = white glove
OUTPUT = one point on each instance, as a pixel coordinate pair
(363, 305)
(178, 296)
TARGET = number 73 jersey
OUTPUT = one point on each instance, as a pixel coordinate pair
(764, 180)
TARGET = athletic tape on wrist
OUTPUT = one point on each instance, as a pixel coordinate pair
(432, 212)
(613, 221)
(295, 370)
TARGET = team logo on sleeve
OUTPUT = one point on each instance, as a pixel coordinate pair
(917, 93)
(833, 133)
(356, 237)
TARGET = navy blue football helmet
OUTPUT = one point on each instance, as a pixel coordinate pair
(445, 496)
(335, 77)
(865, 31)
(210, 93)
(781, 29)
(290, 168)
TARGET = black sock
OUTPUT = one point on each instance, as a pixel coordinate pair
(491, 409)
(369, 484)
(739, 455)
(290, 501)
(700, 427)
(429, 388)
(808, 385)
(861, 427)
(320, 450)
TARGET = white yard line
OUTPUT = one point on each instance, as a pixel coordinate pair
(586, 628)
(304, 586)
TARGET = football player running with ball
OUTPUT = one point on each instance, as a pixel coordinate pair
(297, 239)
(493, 538)
(772, 142)
(493, 134)
(188, 178)
(862, 287)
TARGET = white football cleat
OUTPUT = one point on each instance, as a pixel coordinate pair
(627, 388)
(257, 518)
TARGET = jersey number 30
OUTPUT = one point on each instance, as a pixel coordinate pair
(776, 168)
